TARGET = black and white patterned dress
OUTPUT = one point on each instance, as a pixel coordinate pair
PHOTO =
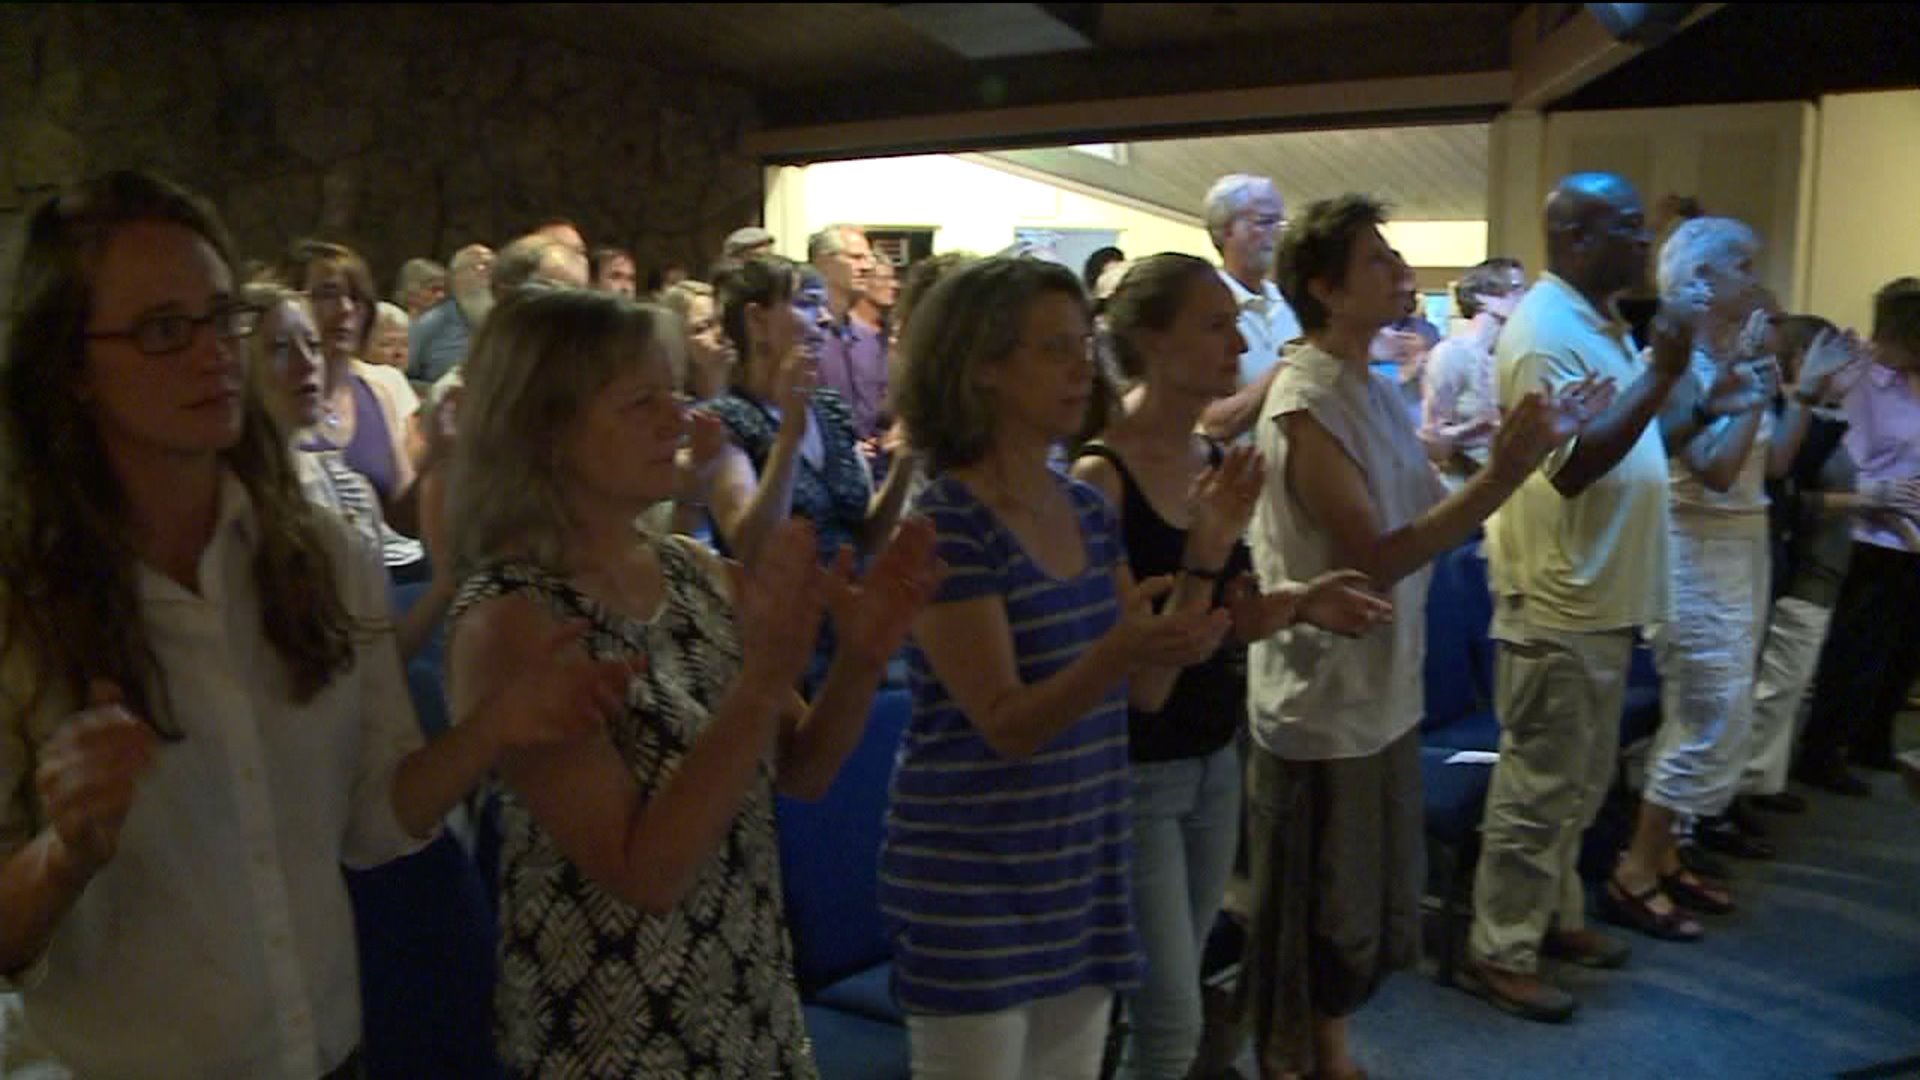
(591, 987)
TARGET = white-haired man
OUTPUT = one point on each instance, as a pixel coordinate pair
(1244, 217)
(437, 340)
(853, 358)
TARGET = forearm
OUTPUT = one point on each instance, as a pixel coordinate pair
(830, 729)
(434, 779)
(415, 627)
(39, 883)
(1610, 436)
(403, 509)
(883, 513)
(771, 504)
(1232, 416)
(1724, 454)
(671, 835)
(1026, 718)
(1788, 434)
(1149, 688)
(1396, 554)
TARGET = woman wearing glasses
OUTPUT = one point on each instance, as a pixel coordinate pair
(205, 715)
(366, 410)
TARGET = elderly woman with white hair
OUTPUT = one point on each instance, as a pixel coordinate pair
(1707, 650)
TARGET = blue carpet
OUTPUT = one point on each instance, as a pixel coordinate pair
(1817, 975)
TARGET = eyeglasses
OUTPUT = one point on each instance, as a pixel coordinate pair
(162, 335)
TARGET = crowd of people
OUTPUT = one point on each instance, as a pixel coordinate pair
(1148, 544)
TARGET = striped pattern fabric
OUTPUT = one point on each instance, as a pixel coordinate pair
(1005, 881)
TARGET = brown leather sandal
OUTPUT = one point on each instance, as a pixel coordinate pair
(1635, 912)
(1691, 891)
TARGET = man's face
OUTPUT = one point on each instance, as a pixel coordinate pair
(617, 276)
(1620, 241)
(472, 271)
(849, 271)
(1253, 232)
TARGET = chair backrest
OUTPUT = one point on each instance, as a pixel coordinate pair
(830, 856)
(1458, 668)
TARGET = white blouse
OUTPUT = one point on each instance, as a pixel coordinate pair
(219, 941)
(1313, 695)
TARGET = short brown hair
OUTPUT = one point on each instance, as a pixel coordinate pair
(303, 257)
(1488, 279)
(971, 319)
(1317, 247)
(1896, 314)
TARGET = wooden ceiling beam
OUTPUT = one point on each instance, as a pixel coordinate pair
(1550, 66)
(1134, 117)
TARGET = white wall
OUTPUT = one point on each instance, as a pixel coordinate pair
(976, 207)
(1866, 205)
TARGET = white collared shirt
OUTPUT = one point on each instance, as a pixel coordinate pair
(219, 941)
(1267, 323)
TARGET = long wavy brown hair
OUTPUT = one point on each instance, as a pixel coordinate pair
(71, 602)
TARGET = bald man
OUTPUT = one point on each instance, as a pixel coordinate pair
(1577, 560)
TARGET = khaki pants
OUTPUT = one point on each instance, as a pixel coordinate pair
(1558, 696)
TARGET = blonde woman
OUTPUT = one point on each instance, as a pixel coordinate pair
(639, 876)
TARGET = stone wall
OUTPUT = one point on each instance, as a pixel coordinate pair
(400, 129)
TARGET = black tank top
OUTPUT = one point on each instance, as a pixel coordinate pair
(1209, 699)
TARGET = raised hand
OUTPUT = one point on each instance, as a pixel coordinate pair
(441, 428)
(1755, 334)
(1150, 637)
(88, 771)
(1899, 496)
(1222, 501)
(871, 617)
(1343, 602)
(695, 462)
(563, 693)
(1340, 602)
(1672, 331)
(1582, 401)
(793, 388)
(1530, 431)
(778, 605)
(1832, 363)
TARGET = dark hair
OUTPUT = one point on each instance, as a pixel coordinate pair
(1149, 297)
(1896, 314)
(766, 280)
(597, 264)
(303, 257)
(1317, 247)
(1097, 263)
(72, 603)
(1488, 279)
(971, 318)
(1796, 336)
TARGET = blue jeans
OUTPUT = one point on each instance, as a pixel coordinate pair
(1186, 824)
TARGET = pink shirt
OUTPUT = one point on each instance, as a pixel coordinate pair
(1883, 438)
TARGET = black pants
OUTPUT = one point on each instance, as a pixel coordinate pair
(1869, 660)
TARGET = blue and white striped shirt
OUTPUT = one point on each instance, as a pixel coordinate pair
(1007, 881)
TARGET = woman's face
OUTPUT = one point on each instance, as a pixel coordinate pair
(621, 448)
(708, 352)
(814, 317)
(1046, 383)
(1736, 287)
(389, 346)
(183, 402)
(341, 313)
(298, 365)
(1200, 351)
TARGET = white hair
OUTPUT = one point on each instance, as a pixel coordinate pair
(1699, 243)
(829, 240)
(393, 315)
(1228, 198)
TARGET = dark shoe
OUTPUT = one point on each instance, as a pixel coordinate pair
(1744, 820)
(1587, 948)
(1695, 858)
(1833, 777)
(1635, 912)
(1722, 835)
(1702, 895)
(1784, 802)
(1526, 996)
